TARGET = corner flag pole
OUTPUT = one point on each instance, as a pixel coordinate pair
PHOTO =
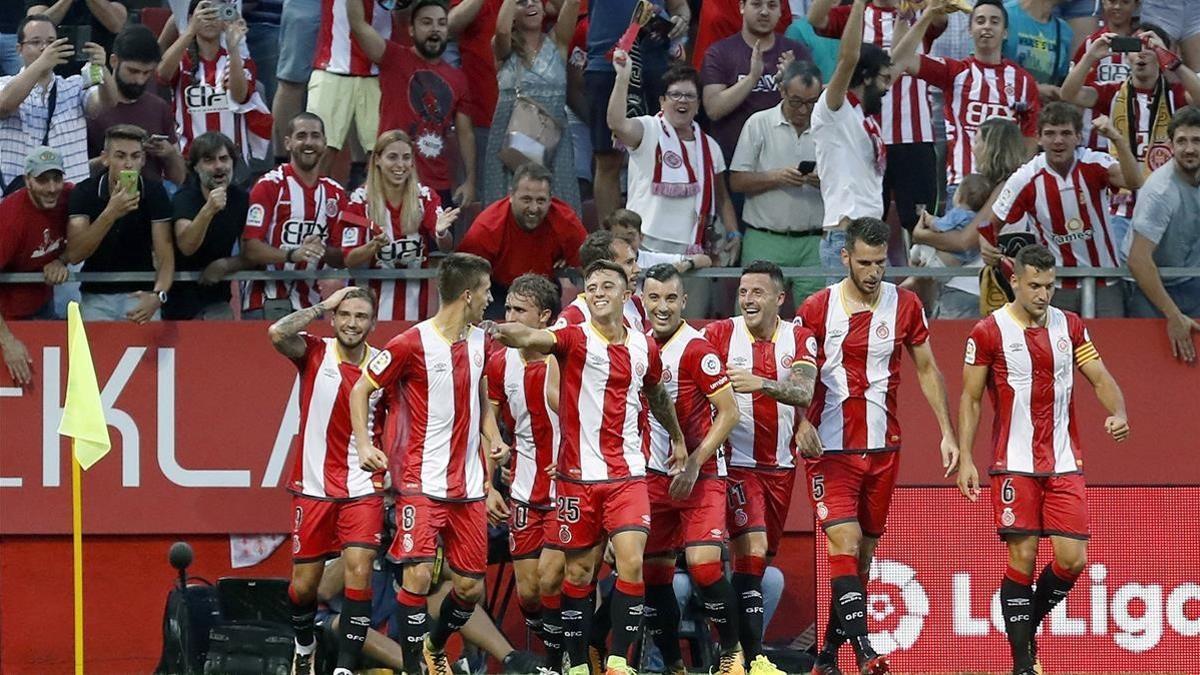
(82, 420)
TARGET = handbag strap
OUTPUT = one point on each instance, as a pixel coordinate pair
(51, 104)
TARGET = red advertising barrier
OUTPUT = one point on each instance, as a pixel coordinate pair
(203, 415)
(933, 601)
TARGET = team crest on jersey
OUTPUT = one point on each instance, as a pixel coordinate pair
(1009, 91)
(1074, 225)
(478, 359)
(740, 518)
(1007, 517)
(667, 375)
(711, 365)
(1063, 345)
(786, 360)
(640, 369)
(255, 216)
(811, 345)
(380, 362)
(822, 511)
(564, 534)
(882, 331)
(331, 208)
(970, 357)
(1157, 155)
(672, 159)
(407, 543)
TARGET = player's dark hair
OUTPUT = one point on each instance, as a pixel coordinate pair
(1059, 113)
(605, 265)
(532, 171)
(1157, 30)
(870, 231)
(680, 73)
(459, 273)
(537, 288)
(663, 272)
(291, 129)
(765, 267)
(597, 246)
(31, 18)
(998, 4)
(1187, 116)
(137, 43)
(124, 132)
(1034, 255)
(871, 60)
(622, 217)
(207, 145)
(362, 293)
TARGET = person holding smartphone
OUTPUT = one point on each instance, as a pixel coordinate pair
(774, 165)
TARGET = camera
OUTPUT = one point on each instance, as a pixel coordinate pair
(227, 11)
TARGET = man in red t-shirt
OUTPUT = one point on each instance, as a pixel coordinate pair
(426, 96)
(33, 228)
(527, 231)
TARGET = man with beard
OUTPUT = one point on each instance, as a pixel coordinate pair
(287, 226)
(134, 62)
(34, 219)
(849, 145)
(337, 506)
(209, 216)
(425, 95)
(435, 370)
(861, 324)
(528, 231)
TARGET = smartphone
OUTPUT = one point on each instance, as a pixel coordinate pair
(128, 179)
(807, 166)
(1123, 43)
(159, 138)
(78, 36)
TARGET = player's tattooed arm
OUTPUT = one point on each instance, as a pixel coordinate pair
(663, 409)
(285, 333)
(797, 390)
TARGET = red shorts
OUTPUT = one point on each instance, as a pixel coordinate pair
(461, 525)
(321, 528)
(695, 521)
(588, 510)
(1040, 505)
(758, 501)
(846, 488)
(528, 529)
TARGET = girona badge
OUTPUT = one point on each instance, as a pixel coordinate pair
(667, 376)
(882, 331)
(1063, 345)
(1007, 517)
(640, 369)
(1157, 155)
(564, 534)
(672, 159)
(478, 359)
(786, 360)
(331, 208)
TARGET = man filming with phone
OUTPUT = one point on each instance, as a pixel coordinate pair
(775, 166)
(120, 221)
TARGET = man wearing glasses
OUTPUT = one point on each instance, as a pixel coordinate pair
(774, 165)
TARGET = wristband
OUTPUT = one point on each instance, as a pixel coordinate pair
(690, 263)
(732, 234)
(287, 257)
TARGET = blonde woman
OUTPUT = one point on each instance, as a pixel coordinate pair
(532, 64)
(393, 222)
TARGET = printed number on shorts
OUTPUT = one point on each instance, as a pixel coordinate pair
(520, 516)
(568, 509)
(1008, 492)
(818, 487)
(737, 495)
(408, 517)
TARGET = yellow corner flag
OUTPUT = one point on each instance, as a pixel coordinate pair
(83, 413)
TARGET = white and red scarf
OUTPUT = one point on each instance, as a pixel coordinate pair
(871, 126)
(676, 175)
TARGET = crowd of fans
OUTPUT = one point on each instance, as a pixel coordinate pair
(302, 134)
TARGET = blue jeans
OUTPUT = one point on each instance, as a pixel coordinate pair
(1186, 295)
(263, 42)
(10, 61)
(832, 243)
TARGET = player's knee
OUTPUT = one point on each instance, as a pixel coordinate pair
(578, 573)
(629, 567)
(358, 574)
(418, 579)
(1023, 556)
(530, 592)
(550, 579)
(1073, 561)
(845, 543)
(302, 591)
(468, 589)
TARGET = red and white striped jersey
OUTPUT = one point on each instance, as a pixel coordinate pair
(577, 312)
(439, 384)
(518, 388)
(337, 50)
(692, 373)
(1112, 69)
(600, 402)
(1149, 154)
(764, 437)
(1030, 382)
(1069, 213)
(327, 465)
(854, 406)
(974, 92)
(283, 212)
(400, 299)
(906, 116)
(202, 104)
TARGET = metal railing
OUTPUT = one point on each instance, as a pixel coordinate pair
(1087, 275)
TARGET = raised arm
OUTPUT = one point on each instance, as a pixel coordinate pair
(369, 40)
(904, 51)
(502, 40)
(969, 405)
(18, 88)
(848, 54)
(818, 14)
(564, 27)
(626, 130)
(1073, 90)
(109, 13)
(720, 99)
(285, 333)
(462, 15)
(1127, 172)
(933, 386)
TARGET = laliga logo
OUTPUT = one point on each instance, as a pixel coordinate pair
(880, 607)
